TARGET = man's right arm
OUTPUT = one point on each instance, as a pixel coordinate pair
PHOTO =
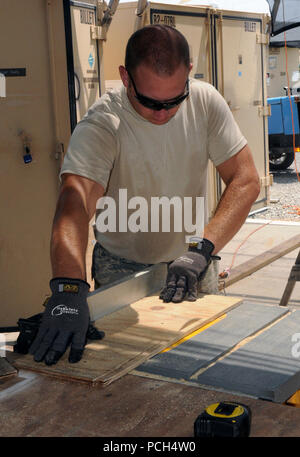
(75, 207)
(66, 317)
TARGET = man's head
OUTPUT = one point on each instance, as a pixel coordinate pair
(162, 48)
(157, 64)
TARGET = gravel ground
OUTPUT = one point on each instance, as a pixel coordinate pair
(285, 193)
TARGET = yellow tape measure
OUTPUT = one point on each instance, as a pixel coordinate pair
(224, 419)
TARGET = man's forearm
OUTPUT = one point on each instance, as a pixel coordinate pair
(231, 212)
(69, 237)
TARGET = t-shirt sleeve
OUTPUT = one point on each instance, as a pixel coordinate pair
(91, 152)
(224, 136)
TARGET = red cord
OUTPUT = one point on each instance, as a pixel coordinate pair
(225, 273)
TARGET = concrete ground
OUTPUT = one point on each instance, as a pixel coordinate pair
(136, 406)
(266, 285)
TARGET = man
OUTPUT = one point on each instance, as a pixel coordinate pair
(152, 138)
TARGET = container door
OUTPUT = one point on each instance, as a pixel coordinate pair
(83, 58)
(29, 166)
(197, 29)
(278, 65)
(240, 77)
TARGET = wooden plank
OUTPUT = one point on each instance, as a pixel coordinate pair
(133, 334)
(6, 369)
(252, 265)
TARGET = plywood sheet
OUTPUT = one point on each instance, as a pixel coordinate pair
(133, 334)
(6, 369)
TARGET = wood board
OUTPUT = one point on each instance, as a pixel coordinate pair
(256, 263)
(132, 335)
(6, 369)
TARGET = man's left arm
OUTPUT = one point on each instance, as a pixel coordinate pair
(242, 188)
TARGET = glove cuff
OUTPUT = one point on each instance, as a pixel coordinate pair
(204, 247)
(69, 285)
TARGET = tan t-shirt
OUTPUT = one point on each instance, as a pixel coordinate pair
(116, 147)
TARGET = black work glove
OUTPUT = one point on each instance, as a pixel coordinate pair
(29, 327)
(65, 320)
(186, 271)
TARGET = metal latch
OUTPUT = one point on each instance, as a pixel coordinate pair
(97, 32)
(264, 110)
(104, 16)
(233, 108)
(262, 38)
(266, 181)
(2, 86)
(59, 151)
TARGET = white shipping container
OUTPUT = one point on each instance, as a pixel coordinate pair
(229, 50)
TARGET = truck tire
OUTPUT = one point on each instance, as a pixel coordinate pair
(281, 162)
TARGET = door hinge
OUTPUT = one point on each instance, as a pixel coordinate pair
(266, 181)
(262, 38)
(264, 110)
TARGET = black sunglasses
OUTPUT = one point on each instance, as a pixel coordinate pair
(157, 105)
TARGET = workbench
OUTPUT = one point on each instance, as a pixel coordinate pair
(137, 405)
(36, 405)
